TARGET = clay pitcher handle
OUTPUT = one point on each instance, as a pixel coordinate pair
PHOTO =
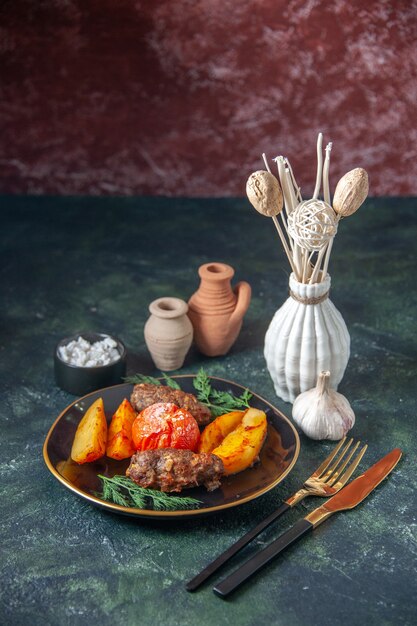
(243, 293)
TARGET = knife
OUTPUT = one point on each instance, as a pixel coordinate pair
(346, 498)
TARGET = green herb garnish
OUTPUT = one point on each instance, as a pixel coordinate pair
(141, 378)
(122, 490)
(219, 402)
(170, 382)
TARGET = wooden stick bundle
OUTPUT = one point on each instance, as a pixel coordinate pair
(308, 228)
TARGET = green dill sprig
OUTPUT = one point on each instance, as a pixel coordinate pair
(141, 378)
(123, 491)
(170, 382)
(219, 402)
(136, 379)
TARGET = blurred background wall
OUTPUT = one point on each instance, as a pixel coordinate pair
(181, 97)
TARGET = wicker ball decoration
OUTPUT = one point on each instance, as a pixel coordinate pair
(312, 224)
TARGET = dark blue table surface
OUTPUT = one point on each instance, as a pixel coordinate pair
(71, 264)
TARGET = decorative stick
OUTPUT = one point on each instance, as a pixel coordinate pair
(290, 187)
(310, 266)
(319, 166)
(284, 243)
(299, 253)
(265, 195)
(283, 179)
(327, 258)
(318, 263)
(281, 212)
(287, 203)
(350, 193)
(304, 260)
(284, 222)
(326, 194)
(278, 227)
(276, 222)
(296, 187)
(289, 207)
(266, 162)
(326, 167)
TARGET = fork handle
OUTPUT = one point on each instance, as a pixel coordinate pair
(198, 580)
(245, 571)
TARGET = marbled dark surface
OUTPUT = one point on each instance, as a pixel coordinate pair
(72, 264)
(105, 97)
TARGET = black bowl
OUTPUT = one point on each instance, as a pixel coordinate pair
(81, 380)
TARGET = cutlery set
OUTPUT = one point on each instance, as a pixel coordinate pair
(328, 481)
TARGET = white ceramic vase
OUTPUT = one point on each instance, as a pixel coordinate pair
(306, 336)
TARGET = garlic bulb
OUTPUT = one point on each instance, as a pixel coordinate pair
(322, 412)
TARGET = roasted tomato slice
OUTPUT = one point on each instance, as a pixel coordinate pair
(164, 425)
(151, 429)
(185, 432)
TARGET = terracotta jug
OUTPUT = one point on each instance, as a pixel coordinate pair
(168, 333)
(216, 310)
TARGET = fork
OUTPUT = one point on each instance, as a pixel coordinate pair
(326, 481)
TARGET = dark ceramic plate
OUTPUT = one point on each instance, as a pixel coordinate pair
(277, 458)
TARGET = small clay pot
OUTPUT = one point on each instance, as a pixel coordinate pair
(168, 333)
(216, 310)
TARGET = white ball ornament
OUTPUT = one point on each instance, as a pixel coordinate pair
(312, 224)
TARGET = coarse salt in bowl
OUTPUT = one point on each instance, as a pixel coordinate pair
(88, 361)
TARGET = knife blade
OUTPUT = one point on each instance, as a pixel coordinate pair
(347, 498)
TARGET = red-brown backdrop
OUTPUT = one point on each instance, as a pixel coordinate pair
(181, 97)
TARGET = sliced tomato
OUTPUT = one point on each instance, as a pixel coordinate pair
(185, 431)
(164, 425)
(151, 429)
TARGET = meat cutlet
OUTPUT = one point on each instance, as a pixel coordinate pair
(145, 394)
(171, 469)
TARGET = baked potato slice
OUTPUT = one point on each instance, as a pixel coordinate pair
(119, 437)
(91, 435)
(218, 429)
(241, 447)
